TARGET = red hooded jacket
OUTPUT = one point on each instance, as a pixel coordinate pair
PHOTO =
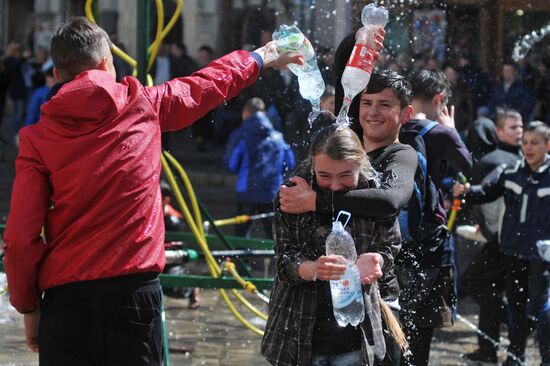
(89, 173)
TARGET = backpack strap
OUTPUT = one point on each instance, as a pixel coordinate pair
(427, 128)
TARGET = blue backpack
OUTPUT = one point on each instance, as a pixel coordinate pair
(423, 204)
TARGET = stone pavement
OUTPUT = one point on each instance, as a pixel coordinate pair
(218, 338)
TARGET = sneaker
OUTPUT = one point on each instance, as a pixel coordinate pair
(480, 358)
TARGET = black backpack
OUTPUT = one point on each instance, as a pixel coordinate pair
(416, 220)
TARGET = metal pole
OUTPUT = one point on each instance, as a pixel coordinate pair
(143, 23)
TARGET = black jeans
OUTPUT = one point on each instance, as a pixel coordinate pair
(484, 281)
(393, 352)
(527, 289)
(115, 321)
(420, 341)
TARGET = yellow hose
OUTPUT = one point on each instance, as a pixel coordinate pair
(154, 48)
(241, 219)
(197, 223)
(123, 55)
(248, 286)
(212, 264)
(164, 31)
(190, 191)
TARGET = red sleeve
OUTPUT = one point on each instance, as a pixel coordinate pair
(23, 246)
(182, 101)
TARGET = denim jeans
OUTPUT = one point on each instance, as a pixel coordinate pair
(345, 359)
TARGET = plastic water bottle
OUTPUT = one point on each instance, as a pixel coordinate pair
(347, 296)
(358, 69)
(312, 86)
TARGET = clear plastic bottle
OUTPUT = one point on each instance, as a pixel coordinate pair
(358, 69)
(311, 83)
(347, 296)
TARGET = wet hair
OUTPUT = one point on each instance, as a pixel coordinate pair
(505, 113)
(254, 105)
(388, 79)
(338, 143)
(77, 46)
(540, 128)
(427, 84)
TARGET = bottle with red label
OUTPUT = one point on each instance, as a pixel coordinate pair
(358, 69)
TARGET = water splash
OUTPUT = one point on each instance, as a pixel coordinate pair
(313, 115)
(491, 340)
(342, 119)
(524, 45)
(7, 313)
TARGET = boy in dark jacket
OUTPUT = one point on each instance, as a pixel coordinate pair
(88, 174)
(525, 187)
(484, 278)
(260, 156)
(428, 293)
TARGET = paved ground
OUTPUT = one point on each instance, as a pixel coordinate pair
(219, 339)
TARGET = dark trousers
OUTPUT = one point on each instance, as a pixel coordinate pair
(420, 341)
(393, 352)
(527, 289)
(115, 321)
(484, 281)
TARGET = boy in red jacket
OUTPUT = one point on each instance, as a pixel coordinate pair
(88, 173)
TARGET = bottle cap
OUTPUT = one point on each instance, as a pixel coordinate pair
(337, 227)
(375, 15)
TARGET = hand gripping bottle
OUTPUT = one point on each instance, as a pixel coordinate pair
(347, 296)
(312, 86)
(356, 75)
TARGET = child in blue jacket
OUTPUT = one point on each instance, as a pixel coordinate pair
(525, 187)
(260, 156)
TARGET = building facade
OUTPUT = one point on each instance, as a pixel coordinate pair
(484, 29)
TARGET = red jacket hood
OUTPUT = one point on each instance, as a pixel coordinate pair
(103, 97)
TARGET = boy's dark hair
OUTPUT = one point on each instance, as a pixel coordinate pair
(426, 84)
(504, 113)
(254, 105)
(539, 127)
(77, 46)
(387, 79)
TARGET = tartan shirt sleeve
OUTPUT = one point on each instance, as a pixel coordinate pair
(290, 247)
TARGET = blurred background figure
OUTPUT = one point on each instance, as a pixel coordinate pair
(260, 156)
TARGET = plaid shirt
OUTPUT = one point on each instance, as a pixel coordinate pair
(293, 305)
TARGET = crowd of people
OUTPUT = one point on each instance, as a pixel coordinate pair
(88, 173)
